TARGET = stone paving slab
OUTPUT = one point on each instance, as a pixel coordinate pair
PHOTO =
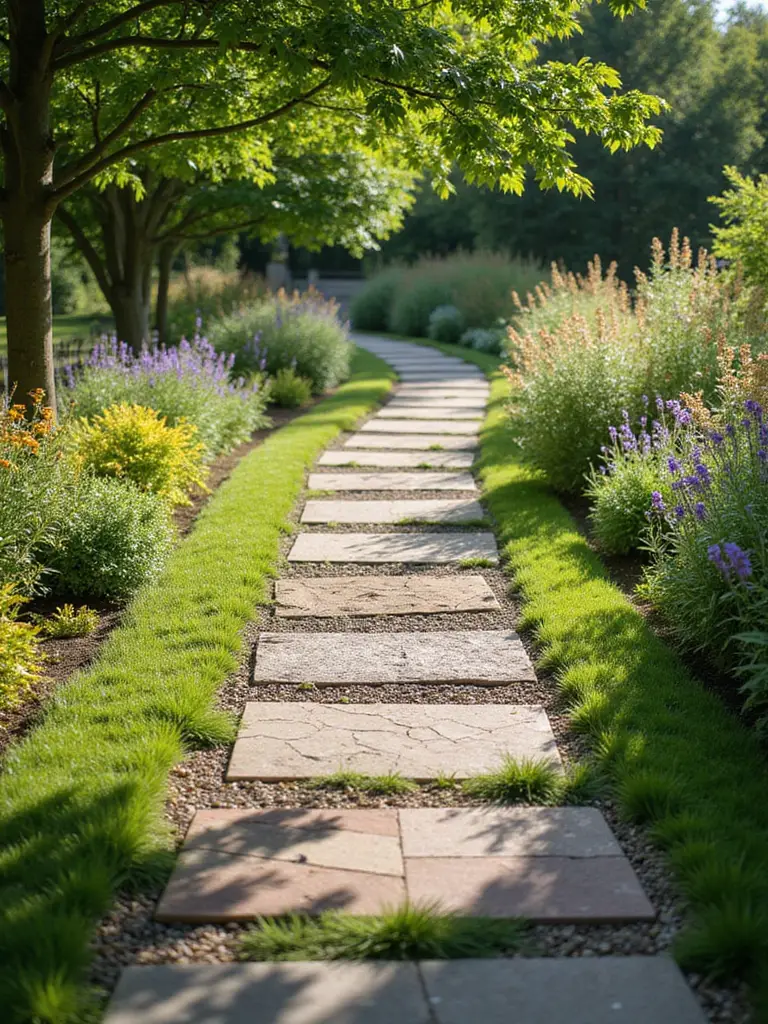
(434, 377)
(288, 740)
(475, 386)
(385, 426)
(484, 657)
(555, 890)
(406, 548)
(383, 595)
(270, 993)
(398, 460)
(416, 442)
(448, 404)
(559, 990)
(395, 412)
(445, 511)
(420, 481)
(238, 869)
(506, 832)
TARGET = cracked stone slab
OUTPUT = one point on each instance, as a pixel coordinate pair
(560, 990)
(270, 993)
(506, 832)
(237, 865)
(396, 412)
(385, 426)
(438, 511)
(406, 548)
(398, 460)
(553, 890)
(383, 595)
(485, 657)
(286, 740)
(419, 443)
(423, 480)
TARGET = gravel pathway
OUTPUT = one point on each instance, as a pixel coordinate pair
(129, 935)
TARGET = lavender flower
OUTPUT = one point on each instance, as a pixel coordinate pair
(657, 501)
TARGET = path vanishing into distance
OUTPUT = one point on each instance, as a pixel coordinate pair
(394, 598)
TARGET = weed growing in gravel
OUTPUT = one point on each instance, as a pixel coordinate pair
(310, 493)
(379, 785)
(445, 781)
(476, 563)
(69, 621)
(527, 781)
(406, 933)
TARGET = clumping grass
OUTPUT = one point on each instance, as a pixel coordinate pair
(675, 758)
(527, 781)
(68, 621)
(318, 493)
(476, 563)
(436, 448)
(405, 933)
(379, 785)
(81, 797)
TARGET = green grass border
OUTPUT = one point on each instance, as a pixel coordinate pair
(81, 798)
(678, 762)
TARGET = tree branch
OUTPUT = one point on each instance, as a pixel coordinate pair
(147, 43)
(117, 22)
(224, 229)
(60, 192)
(82, 242)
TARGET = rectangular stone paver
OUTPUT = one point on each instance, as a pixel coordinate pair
(395, 412)
(557, 890)
(236, 865)
(507, 832)
(559, 990)
(449, 405)
(418, 442)
(438, 511)
(383, 595)
(419, 481)
(405, 548)
(435, 376)
(374, 426)
(298, 740)
(484, 657)
(398, 460)
(270, 993)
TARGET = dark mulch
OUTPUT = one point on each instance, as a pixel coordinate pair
(65, 657)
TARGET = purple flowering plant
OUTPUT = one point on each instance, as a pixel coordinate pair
(190, 381)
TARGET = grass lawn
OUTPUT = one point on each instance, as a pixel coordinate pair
(677, 761)
(69, 327)
(81, 797)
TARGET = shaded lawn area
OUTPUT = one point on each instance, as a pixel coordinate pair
(69, 328)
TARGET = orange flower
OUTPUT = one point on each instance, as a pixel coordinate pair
(5, 464)
(37, 396)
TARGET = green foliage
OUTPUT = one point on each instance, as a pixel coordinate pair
(131, 442)
(743, 236)
(81, 801)
(19, 654)
(113, 539)
(208, 293)
(370, 307)
(288, 390)
(298, 331)
(445, 324)
(69, 621)
(620, 503)
(406, 933)
(484, 339)
(378, 785)
(527, 781)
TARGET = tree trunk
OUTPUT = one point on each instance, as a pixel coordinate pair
(130, 306)
(165, 264)
(27, 208)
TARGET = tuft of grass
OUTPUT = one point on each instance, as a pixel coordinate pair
(81, 799)
(436, 448)
(69, 621)
(476, 563)
(405, 933)
(527, 781)
(318, 493)
(445, 781)
(380, 785)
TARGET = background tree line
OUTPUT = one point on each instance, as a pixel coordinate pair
(714, 76)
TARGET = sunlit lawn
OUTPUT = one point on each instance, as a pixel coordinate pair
(70, 327)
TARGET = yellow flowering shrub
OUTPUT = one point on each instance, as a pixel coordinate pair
(19, 652)
(133, 442)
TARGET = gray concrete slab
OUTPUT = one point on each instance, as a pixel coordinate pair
(377, 548)
(378, 426)
(485, 657)
(560, 990)
(382, 595)
(299, 740)
(421, 480)
(269, 993)
(398, 460)
(396, 412)
(439, 511)
(417, 442)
